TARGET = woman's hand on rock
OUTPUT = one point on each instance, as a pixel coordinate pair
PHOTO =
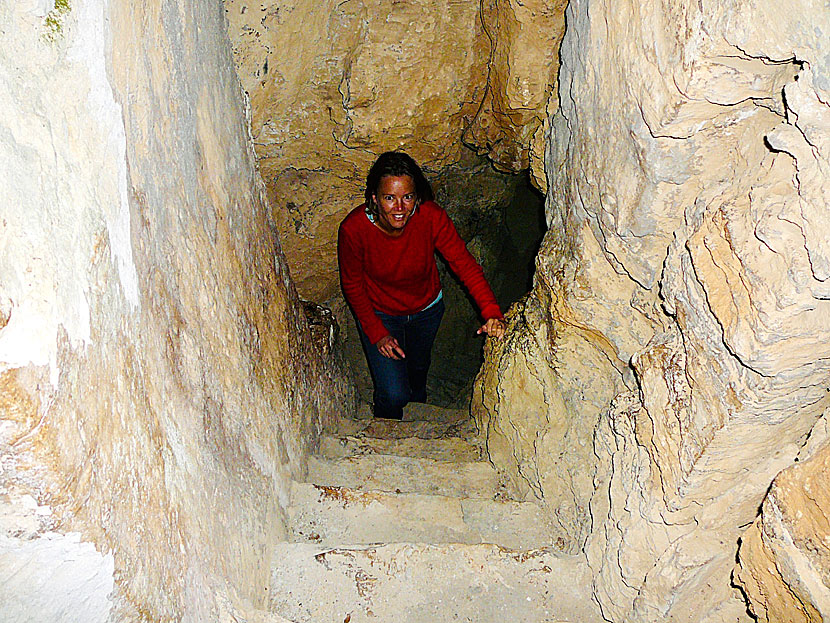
(389, 347)
(494, 327)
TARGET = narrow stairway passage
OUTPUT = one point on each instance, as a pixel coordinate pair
(407, 521)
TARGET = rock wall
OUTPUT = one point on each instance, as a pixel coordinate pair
(671, 358)
(146, 307)
(368, 76)
(784, 563)
(509, 126)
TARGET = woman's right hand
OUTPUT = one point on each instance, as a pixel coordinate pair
(389, 347)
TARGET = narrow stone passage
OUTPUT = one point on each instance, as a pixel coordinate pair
(407, 521)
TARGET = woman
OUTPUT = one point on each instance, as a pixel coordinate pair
(386, 250)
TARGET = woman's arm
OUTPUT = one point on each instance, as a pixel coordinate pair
(350, 262)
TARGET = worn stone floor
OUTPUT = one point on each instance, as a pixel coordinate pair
(407, 521)
(396, 521)
(46, 574)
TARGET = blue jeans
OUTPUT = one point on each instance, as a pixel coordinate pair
(398, 382)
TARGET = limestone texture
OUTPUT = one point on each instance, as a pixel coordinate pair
(46, 573)
(521, 92)
(784, 563)
(368, 76)
(657, 414)
(671, 360)
(156, 362)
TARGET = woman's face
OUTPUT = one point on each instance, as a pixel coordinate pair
(396, 200)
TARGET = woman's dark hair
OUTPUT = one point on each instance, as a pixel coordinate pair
(395, 164)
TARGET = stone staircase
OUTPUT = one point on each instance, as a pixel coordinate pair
(406, 521)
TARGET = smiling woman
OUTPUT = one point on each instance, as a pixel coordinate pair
(395, 200)
(386, 252)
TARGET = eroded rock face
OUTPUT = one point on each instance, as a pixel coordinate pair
(145, 296)
(784, 564)
(521, 91)
(687, 166)
(334, 84)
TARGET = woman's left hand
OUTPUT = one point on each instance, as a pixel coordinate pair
(494, 327)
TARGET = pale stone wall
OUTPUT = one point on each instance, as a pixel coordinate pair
(670, 362)
(144, 293)
(671, 359)
(784, 564)
(510, 125)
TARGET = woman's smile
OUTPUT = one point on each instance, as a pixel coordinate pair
(396, 200)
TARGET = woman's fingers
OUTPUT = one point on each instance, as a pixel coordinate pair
(494, 327)
(397, 351)
(389, 347)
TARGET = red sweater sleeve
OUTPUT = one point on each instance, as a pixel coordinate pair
(350, 260)
(464, 265)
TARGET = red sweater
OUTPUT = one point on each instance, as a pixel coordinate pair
(398, 275)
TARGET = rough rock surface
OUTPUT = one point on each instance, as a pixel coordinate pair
(46, 574)
(509, 126)
(367, 76)
(154, 352)
(672, 359)
(784, 564)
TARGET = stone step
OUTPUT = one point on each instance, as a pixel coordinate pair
(402, 474)
(418, 411)
(420, 420)
(452, 449)
(337, 515)
(410, 583)
(422, 429)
